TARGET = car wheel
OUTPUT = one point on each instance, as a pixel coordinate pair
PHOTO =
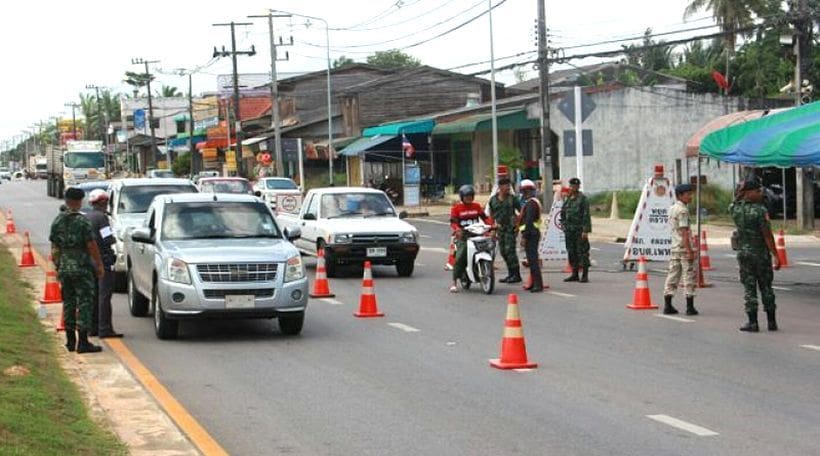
(164, 327)
(292, 324)
(120, 282)
(137, 303)
(405, 268)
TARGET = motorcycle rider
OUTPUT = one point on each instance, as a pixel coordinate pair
(462, 215)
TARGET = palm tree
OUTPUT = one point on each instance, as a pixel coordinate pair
(137, 80)
(90, 110)
(169, 92)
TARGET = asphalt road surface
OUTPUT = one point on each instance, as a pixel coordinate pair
(610, 381)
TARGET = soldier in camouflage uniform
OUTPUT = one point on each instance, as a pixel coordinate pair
(575, 219)
(755, 251)
(73, 249)
(502, 208)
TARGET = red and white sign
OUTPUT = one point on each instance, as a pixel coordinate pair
(650, 235)
(553, 245)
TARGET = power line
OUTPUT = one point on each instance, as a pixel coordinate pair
(402, 22)
(398, 4)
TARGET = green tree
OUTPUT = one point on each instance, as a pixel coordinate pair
(762, 67)
(182, 164)
(169, 92)
(650, 55)
(343, 61)
(91, 114)
(137, 80)
(393, 59)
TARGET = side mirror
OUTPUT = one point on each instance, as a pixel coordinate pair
(309, 216)
(292, 233)
(403, 214)
(258, 193)
(142, 235)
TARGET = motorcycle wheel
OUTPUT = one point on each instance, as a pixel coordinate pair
(464, 282)
(487, 276)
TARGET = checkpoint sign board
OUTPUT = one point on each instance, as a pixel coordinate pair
(553, 245)
(650, 234)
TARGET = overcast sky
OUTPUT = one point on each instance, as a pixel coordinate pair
(53, 49)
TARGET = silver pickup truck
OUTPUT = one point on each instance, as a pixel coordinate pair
(214, 256)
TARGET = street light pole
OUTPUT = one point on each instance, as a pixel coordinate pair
(492, 97)
(141, 61)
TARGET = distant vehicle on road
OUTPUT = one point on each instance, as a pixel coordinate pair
(201, 174)
(159, 173)
(271, 188)
(214, 256)
(41, 168)
(73, 163)
(225, 185)
(5, 173)
(88, 187)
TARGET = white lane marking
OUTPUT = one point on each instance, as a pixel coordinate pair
(812, 347)
(404, 327)
(563, 295)
(435, 249)
(424, 236)
(421, 265)
(775, 287)
(331, 301)
(730, 255)
(594, 248)
(672, 317)
(806, 263)
(435, 222)
(680, 424)
(523, 370)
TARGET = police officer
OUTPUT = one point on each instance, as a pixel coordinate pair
(462, 215)
(73, 249)
(681, 261)
(755, 252)
(530, 226)
(577, 224)
(104, 238)
(503, 207)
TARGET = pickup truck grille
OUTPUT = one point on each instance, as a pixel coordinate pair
(237, 272)
(375, 238)
(220, 294)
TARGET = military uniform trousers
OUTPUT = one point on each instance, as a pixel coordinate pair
(577, 249)
(507, 247)
(79, 294)
(460, 265)
(680, 268)
(756, 272)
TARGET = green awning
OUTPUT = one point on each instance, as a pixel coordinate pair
(507, 120)
(401, 128)
(201, 132)
(364, 144)
(181, 117)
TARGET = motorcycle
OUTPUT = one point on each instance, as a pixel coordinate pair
(480, 258)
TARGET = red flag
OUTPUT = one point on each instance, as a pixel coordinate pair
(407, 147)
(720, 80)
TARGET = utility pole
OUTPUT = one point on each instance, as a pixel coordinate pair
(274, 91)
(104, 118)
(804, 177)
(73, 107)
(546, 132)
(233, 53)
(148, 77)
(191, 150)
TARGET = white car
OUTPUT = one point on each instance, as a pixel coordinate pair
(5, 173)
(273, 188)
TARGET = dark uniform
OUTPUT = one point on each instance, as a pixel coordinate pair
(754, 257)
(575, 220)
(504, 214)
(104, 238)
(531, 237)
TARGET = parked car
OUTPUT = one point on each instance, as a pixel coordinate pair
(129, 201)
(214, 256)
(5, 173)
(225, 185)
(201, 174)
(88, 187)
(160, 173)
(272, 188)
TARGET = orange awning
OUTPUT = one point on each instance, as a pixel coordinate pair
(693, 144)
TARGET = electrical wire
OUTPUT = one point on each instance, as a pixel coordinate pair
(402, 22)
(397, 4)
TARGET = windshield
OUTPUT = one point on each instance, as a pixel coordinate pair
(137, 199)
(162, 173)
(225, 186)
(218, 220)
(84, 160)
(355, 204)
(280, 184)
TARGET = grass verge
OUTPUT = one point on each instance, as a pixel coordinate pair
(42, 411)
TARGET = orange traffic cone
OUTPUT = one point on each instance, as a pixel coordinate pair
(513, 347)
(321, 287)
(701, 280)
(641, 299)
(451, 256)
(10, 227)
(367, 302)
(567, 267)
(780, 247)
(528, 283)
(705, 261)
(27, 260)
(51, 292)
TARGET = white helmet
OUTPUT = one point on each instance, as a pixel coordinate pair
(97, 195)
(527, 184)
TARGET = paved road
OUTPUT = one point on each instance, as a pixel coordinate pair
(418, 381)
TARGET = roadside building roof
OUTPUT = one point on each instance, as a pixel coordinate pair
(507, 120)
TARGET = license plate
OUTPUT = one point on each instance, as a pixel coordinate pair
(239, 301)
(377, 251)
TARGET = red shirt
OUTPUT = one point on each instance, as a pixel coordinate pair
(463, 215)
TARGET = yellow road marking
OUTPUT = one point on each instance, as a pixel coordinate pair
(187, 423)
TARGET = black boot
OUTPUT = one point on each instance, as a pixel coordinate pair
(70, 340)
(751, 326)
(667, 306)
(84, 346)
(584, 275)
(515, 276)
(537, 284)
(690, 306)
(772, 321)
(573, 277)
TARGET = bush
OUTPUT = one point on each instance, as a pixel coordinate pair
(182, 165)
(715, 200)
(601, 203)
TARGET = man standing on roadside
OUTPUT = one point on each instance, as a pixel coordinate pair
(73, 250)
(577, 224)
(530, 226)
(104, 238)
(682, 259)
(503, 207)
(755, 252)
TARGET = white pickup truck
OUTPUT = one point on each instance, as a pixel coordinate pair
(351, 225)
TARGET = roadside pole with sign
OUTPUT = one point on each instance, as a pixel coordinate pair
(576, 108)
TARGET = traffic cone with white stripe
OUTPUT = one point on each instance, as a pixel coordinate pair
(321, 287)
(11, 228)
(705, 261)
(27, 260)
(51, 291)
(641, 298)
(780, 248)
(451, 256)
(367, 302)
(513, 346)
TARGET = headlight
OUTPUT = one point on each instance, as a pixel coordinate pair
(408, 237)
(294, 269)
(343, 239)
(178, 271)
(67, 175)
